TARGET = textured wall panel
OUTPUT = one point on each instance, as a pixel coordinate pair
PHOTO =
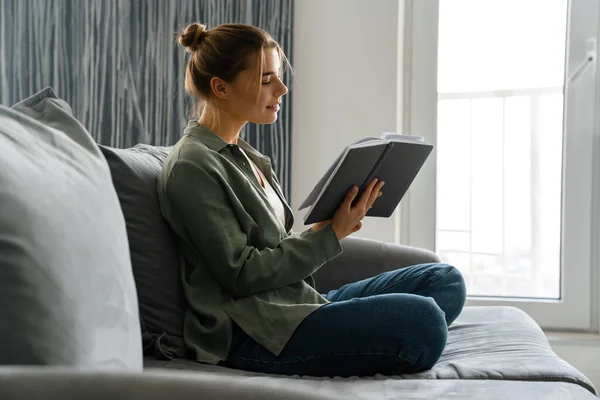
(118, 64)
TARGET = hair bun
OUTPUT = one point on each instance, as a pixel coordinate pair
(192, 36)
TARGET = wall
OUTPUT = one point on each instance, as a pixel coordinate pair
(345, 88)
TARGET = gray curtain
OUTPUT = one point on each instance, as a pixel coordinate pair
(118, 64)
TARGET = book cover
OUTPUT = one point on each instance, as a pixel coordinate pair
(396, 159)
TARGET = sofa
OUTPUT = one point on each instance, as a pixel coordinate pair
(93, 306)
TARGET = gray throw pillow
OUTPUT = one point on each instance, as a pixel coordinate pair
(67, 294)
(155, 257)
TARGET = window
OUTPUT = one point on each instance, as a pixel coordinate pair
(505, 91)
(499, 141)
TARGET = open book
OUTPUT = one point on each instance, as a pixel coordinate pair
(393, 158)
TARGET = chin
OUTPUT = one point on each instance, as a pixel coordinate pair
(267, 119)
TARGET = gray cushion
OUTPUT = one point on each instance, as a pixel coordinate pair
(484, 343)
(154, 255)
(363, 258)
(67, 295)
(52, 384)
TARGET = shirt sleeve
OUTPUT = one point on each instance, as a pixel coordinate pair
(216, 233)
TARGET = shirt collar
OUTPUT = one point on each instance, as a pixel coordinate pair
(205, 135)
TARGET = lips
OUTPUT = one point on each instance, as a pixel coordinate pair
(274, 107)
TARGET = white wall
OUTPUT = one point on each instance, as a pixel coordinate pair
(346, 87)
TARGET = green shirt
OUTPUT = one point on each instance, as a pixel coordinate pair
(239, 261)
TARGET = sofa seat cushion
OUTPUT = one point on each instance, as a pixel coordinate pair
(45, 384)
(484, 343)
(67, 295)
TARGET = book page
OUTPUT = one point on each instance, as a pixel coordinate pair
(363, 140)
(397, 137)
(370, 141)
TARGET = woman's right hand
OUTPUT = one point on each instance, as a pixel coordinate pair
(348, 218)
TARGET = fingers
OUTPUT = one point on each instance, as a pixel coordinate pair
(375, 194)
(371, 193)
(350, 197)
(357, 227)
(366, 194)
(347, 218)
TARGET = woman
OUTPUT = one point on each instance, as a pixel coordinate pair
(247, 276)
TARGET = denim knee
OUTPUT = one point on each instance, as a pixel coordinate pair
(455, 289)
(454, 277)
(430, 335)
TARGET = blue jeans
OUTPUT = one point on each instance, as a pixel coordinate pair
(394, 323)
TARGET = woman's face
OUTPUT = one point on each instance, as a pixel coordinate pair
(256, 99)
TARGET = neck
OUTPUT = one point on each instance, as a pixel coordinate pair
(221, 123)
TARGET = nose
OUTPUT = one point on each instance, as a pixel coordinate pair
(282, 89)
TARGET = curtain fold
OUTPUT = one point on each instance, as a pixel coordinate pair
(118, 64)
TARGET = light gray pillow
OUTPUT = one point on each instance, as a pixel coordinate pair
(67, 295)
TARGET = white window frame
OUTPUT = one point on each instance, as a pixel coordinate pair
(578, 308)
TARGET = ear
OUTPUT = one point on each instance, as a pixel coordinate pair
(219, 88)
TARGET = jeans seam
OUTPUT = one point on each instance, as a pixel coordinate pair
(383, 289)
(312, 358)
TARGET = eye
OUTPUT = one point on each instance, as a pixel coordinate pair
(270, 80)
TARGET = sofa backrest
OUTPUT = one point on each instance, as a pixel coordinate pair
(155, 257)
